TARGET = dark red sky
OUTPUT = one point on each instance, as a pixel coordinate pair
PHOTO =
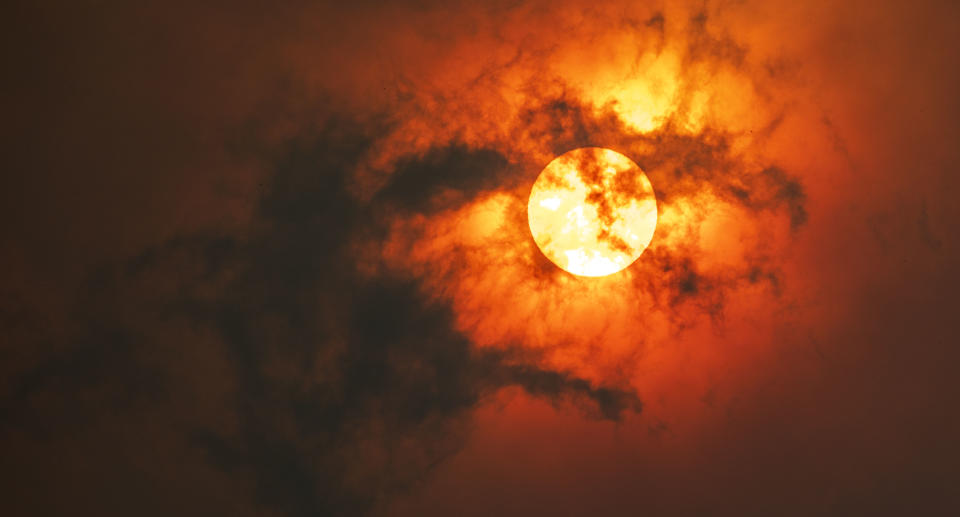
(274, 260)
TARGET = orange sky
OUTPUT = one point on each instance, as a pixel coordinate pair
(297, 237)
(737, 326)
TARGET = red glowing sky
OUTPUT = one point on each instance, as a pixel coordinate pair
(276, 260)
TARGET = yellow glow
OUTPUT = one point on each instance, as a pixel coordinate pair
(644, 95)
(592, 211)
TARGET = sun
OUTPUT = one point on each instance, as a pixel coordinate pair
(592, 211)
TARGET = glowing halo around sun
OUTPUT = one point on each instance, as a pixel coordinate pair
(592, 211)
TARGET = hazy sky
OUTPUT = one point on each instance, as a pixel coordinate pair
(274, 260)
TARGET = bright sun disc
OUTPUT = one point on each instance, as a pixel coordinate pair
(592, 211)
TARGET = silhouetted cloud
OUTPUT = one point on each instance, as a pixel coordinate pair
(327, 364)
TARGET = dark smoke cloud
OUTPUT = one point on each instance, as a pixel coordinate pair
(346, 388)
